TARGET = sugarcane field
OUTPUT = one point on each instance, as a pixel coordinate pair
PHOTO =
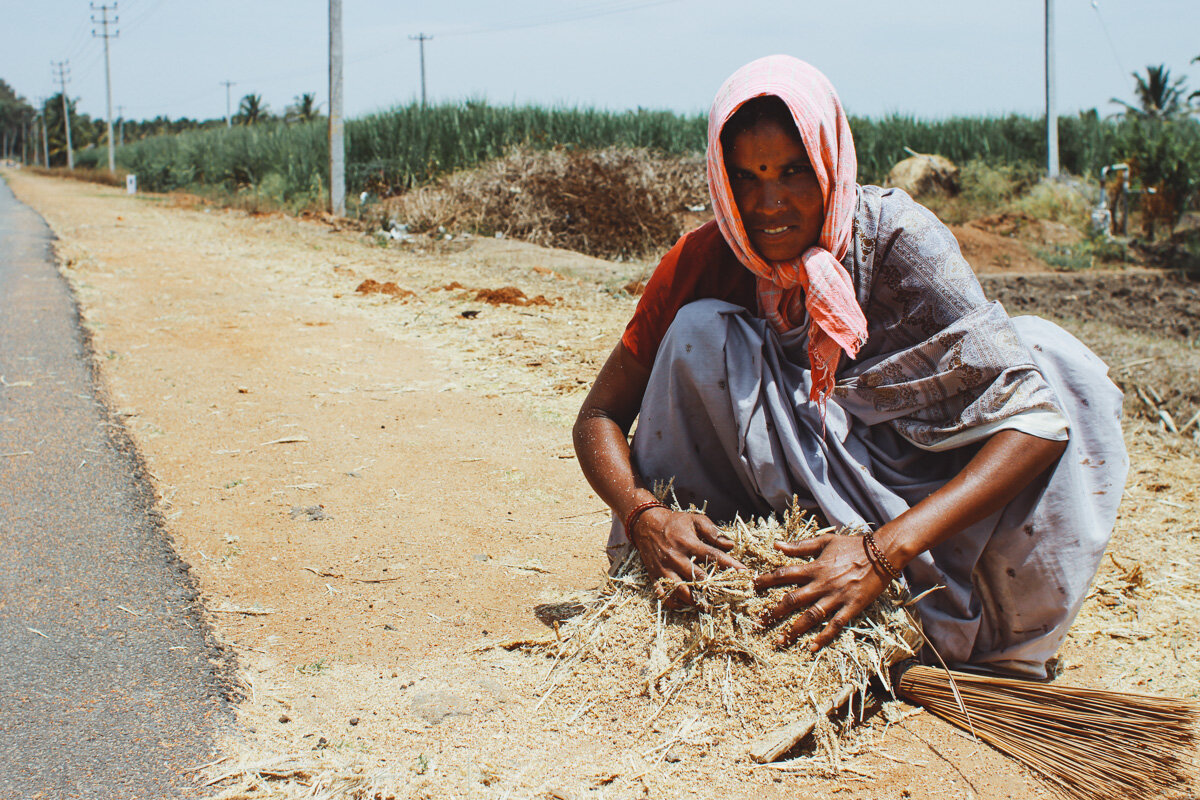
(602, 400)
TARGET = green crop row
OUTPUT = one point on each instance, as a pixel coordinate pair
(388, 152)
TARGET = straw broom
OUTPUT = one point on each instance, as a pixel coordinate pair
(1087, 742)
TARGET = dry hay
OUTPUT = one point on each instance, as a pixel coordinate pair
(923, 174)
(314, 777)
(716, 660)
(613, 203)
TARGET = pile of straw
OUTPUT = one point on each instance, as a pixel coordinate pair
(717, 658)
(612, 203)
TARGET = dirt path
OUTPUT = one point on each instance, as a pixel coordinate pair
(371, 489)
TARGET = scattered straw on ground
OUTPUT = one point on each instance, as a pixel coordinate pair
(717, 659)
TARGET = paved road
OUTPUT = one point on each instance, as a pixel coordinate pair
(110, 686)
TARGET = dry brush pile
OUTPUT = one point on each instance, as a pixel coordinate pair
(613, 203)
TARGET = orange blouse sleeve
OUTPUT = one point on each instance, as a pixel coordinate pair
(699, 265)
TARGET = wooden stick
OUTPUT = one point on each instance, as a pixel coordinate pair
(779, 741)
(774, 744)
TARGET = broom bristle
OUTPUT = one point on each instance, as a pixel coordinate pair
(1090, 743)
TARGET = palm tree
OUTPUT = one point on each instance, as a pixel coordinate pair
(1196, 93)
(1158, 96)
(305, 109)
(252, 110)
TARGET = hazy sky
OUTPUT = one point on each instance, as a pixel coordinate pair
(923, 57)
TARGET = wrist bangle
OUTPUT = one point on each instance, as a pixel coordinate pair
(875, 554)
(637, 511)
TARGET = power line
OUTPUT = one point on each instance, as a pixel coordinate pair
(146, 14)
(601, 10)
(1111, 44)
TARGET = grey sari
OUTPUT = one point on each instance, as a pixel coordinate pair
(726, 415)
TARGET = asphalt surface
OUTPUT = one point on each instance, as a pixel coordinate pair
(110, 684)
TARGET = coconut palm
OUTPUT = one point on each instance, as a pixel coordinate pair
(305, 109)
(252, 110)
(1158, 96)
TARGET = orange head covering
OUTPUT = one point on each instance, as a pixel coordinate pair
(817, 278)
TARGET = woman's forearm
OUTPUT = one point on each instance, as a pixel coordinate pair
(1007, 463)
(603, 452)
(601, 430)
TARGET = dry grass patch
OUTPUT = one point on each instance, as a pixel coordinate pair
(613, 203)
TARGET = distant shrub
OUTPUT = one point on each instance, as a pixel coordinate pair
(392, 151)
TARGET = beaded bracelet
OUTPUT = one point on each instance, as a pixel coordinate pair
(877, 556)
(633, 515)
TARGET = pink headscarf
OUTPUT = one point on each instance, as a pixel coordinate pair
(817, 276)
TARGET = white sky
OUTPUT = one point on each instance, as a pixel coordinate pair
(928, 58)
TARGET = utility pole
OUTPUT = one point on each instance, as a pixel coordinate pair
(1051, 105)
(63, 68)
(228, 108)
(422, 39)
(121, 128)
(337, 137)
(41, 115)
(104, 22)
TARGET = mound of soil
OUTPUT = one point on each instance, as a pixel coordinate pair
(370, 286)
(1025, 228)
(1164, 304)
(988, 252)
(923, 174)
(511, 296)
(1145, 325)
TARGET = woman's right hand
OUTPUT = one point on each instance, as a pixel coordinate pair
(677, 545)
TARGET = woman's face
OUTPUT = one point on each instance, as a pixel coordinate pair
(775, 189)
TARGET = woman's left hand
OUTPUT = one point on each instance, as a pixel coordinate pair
(834, 588)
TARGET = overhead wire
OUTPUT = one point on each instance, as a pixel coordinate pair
(577, 15)
(137, 22)
(598, 10)
(587, 12)
(1112, 46)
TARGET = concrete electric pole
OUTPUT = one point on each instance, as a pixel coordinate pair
(422, 39)
(228, 109)
(337, 138)
(103, 33)
(1051, 104)
(62, 68)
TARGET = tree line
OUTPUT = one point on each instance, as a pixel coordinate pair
(22, 124)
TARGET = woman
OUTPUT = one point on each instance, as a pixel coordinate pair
(827, 341)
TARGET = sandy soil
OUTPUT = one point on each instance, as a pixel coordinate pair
(374, 488)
